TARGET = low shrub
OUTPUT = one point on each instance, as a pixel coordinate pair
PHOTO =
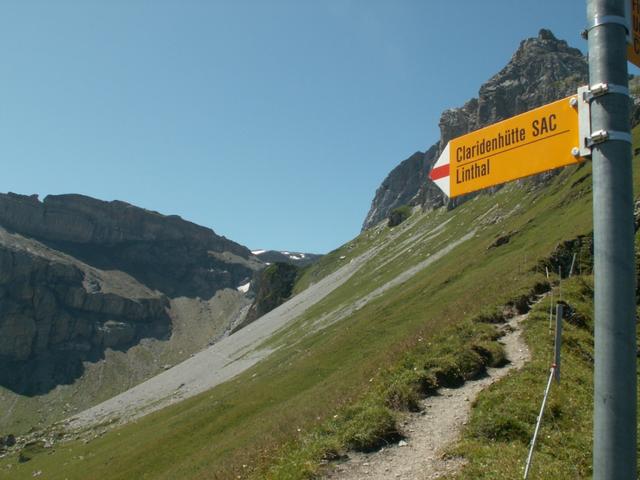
(399, 215)
(501, 428)
(369, 426)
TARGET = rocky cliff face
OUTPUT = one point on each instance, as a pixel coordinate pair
(542, 70)
(79, 276)
(166, 253)
(56, 312)
(401, 185)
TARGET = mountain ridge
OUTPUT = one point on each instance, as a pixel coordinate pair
(542, 69)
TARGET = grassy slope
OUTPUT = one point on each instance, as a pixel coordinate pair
(310, 378)
(495, 442)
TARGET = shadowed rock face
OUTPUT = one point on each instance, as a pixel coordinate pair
(79, 275)
(54, 314)
(542, 70)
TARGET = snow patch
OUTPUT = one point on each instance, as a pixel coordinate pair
(258, 252)
(244, 288)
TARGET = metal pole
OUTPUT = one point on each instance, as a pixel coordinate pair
(551, 312)
(558, 345)
(614, 449)
(573, 262)
(559, 282)
(532, 446)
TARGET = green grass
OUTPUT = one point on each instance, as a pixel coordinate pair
(277, 414)
(457, 353)
(495, 442)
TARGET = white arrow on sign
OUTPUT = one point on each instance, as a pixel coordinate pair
(440, 172)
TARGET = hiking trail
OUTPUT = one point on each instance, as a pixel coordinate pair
(421, 455)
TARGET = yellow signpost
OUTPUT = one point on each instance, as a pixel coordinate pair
(533, 142)
(563, 133)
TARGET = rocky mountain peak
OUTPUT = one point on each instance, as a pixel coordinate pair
(545, 34)
(542, 69)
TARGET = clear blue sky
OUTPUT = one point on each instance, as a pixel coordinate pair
(272, 122)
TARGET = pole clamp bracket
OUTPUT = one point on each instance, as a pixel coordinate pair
(601, 136)
(607, 19)
(584, 121)
(600, 89)
(589, 138)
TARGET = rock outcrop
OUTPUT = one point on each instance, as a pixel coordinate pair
(56, 312)
(166, 253)
(542, 70)
(273, 286)
(401, 185)
(79, 276)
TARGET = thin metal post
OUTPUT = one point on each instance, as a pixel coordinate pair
(559, 282)
(551, 312)
(614, 449)
(573, 262)
(538, 422)
(558, 343)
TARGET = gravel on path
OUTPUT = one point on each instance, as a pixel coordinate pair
(421, 455)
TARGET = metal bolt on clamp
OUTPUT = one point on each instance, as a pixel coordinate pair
(599, 89)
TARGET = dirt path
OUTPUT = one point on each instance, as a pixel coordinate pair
(429, 433)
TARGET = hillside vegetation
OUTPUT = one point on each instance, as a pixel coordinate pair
(496, 440)
(341, 374)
